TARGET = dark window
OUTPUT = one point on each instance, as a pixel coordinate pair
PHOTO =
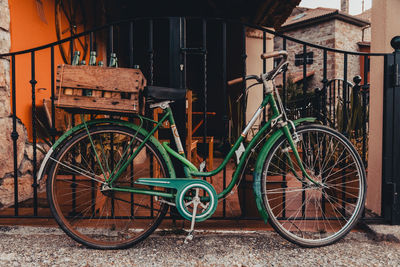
(298, 59)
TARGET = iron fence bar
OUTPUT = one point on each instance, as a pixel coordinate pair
(344, 94)
(225, 117)
(91, 42)
(324, 88)
(14, 134)
(71, 48)
(284, 102)
(365, 90)
(303, 194)
(244, 96)
(264, 63)
(110, 43)
(53, 110)
(244, 57)
(204, 46)
(304, 71)
(73, 184)
(334, 103)
(131, 31)
(150, 52)
(33, 83)
(284, 89)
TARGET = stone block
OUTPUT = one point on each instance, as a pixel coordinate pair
(25, 190)
(6, 145)
(5, 41)
(5, 15)
(5, 108)
(4, 73)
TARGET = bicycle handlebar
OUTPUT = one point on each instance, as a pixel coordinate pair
(235, 81)
(282, 53)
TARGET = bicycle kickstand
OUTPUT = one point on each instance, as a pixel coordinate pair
(196, 202)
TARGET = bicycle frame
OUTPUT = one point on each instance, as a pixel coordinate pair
(190, 170)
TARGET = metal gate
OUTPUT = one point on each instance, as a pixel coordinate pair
(391, 136)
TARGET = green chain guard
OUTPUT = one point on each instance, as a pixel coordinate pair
(183, 185)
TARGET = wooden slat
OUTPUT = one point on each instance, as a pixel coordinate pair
(93, 103)
(100, 78)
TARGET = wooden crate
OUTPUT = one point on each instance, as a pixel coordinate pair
(100, 88)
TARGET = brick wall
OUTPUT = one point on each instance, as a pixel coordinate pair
(334, 34)
(346, 38)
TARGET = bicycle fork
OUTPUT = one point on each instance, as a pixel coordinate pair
(293, 139)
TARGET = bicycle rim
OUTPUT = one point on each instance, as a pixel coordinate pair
(304, 213)
(82, 205)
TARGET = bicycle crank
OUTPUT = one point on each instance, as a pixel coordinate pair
(194, 198)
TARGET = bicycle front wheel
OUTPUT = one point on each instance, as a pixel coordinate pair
(306, 213)
(82, 203)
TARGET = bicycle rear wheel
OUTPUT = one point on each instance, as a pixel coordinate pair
(79, 199)
(304, 213)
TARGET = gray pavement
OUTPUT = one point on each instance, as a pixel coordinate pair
(49, 246)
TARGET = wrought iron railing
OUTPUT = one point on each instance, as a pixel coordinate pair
(147, 55)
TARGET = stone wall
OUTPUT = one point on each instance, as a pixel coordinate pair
(321, 34)
(334, 34)
(346, 38)
(24, 148)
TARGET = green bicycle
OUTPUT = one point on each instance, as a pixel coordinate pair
(110, 182)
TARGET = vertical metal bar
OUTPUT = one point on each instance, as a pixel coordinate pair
(365, 91)
(284, 89)
(284, 101)
(224, 96)
(175, 79)
(33, 83)
(130, 49)
(204, 48)
(73, 184)
(91, 42)
(53, 110)
(151, 53)
(304, 71)
(244, 98)
(14, 134)
(71, 48)
(345, 108)
(132, 180)
(324, 118)
(303, 195)
(335, 101)
(244, 56)
(110, 43)
(324, 88)
(345, 96)
(264, 117)
(111, 168)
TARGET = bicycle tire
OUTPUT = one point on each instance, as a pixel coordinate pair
(92, 216)
(306, 214)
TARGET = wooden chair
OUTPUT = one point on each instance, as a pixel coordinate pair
(200, 139)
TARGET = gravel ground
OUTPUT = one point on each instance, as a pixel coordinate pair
(42, 246)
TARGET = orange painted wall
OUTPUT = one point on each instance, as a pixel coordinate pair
(29, 31)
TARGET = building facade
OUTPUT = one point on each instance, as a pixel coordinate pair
(325, 27)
